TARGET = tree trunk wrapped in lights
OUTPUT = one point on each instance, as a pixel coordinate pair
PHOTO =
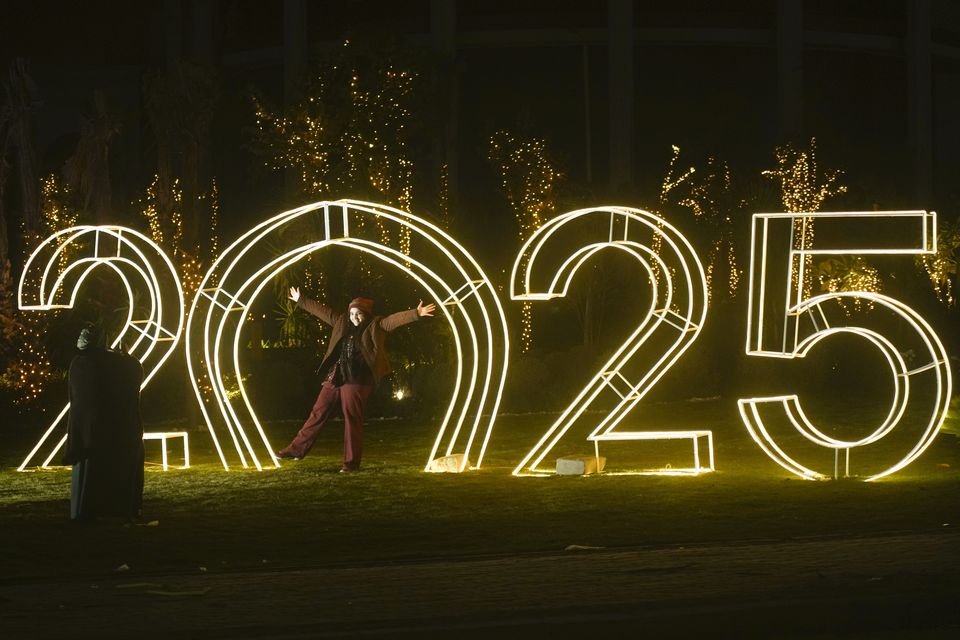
(529, 178)
(802, 191)
(709, 196)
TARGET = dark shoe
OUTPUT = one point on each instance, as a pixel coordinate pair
(286, 455)
(346, 469)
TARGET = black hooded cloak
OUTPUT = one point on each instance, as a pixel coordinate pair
(105, 434)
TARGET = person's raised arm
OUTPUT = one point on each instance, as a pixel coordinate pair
(400, 318)
(313, 307)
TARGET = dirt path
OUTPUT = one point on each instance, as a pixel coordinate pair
(891, 586)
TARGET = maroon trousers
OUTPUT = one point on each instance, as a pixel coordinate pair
(352, 400)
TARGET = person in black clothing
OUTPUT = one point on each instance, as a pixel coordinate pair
(104, 431)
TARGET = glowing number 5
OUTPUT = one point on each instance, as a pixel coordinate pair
(807, 321)
(57, 269)
(674, 318)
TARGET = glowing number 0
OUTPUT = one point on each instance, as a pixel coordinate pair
(807, 321)
(56, 270)
(435, 260)
(678, 308)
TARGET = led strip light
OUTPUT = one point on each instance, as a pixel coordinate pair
(808, 321)
(52, 278)
(677, 310)
(439, 263)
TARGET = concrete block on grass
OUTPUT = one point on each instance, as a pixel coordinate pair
(449, 464)
(579, 465)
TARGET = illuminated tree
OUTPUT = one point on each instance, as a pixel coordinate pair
(25, 363)
(803, 189)
(180, 203)
(351, 134)
(943, 268)
(190, 266)
(709, 197)
(529, 178)
(10, 325)
(848, 273)
(28, 370)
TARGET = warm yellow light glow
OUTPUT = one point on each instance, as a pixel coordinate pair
(708, 195)
(30, 371)
(50, 282)
(694, 437)
(806, 320)
(367, 148)
(443, 267)
(676, 313)
(942, 267)
(163, 436)
(529, 179)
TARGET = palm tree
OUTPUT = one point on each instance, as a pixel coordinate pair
(88, 169)
(22, 99)
(181, 102)
(4, 169)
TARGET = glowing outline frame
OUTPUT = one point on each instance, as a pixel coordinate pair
(49, 294)
(796, 307)
(163, 436)
(475, 294)
(689, 330)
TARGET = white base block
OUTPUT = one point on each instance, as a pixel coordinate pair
(579, 465)
(449, 464)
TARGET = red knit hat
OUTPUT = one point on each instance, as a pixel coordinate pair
(364, 304)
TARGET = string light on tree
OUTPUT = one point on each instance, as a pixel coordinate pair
(709, 196)
(56, 213)
(443, 196)
(943, 267)
(30, 371)
(350, 135)
(802, 191)
(849, 273)
(214, 199)
(529, 179)
(167, 231)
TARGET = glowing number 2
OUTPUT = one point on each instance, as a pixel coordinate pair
(56, 270)
(677, 310)
(434, 259)
(807, 321)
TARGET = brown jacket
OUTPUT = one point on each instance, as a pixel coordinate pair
(373, 338)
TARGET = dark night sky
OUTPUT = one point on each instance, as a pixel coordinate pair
(710, 99)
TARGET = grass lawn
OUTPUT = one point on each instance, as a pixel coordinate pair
(306, 514)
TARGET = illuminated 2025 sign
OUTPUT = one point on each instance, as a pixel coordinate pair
(544, 269)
